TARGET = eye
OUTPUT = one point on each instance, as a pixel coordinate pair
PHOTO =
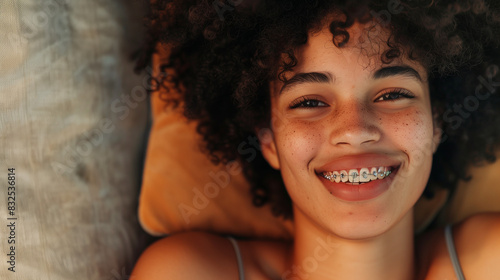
(307, 102)
(395, 94)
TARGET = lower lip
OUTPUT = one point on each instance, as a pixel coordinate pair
(365, 191)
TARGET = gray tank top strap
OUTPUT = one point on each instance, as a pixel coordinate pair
(241, 271)
(453, 253)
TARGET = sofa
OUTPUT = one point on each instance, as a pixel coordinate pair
(74, 119)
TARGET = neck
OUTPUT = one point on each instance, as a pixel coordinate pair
(321, 255)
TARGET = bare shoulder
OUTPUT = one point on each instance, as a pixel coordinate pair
(477, 244)
(482, 230)
(477, 241)
(190, 255)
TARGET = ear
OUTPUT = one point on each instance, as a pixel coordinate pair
(437, 130)
(268, 147)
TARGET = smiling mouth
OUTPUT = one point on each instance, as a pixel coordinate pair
(358, 176)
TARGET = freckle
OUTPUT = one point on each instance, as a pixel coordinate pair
(350, 213)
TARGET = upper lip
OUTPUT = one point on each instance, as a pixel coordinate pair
(358, 161)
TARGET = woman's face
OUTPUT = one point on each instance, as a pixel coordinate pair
(341, 124)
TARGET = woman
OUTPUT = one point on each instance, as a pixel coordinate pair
(351, 101)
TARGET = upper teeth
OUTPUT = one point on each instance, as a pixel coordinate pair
(362, 175)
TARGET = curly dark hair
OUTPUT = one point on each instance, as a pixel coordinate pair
(225, 53)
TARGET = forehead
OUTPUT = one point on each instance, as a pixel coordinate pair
(366, 43)
(359, 58)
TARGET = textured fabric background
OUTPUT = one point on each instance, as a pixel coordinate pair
(73, 123)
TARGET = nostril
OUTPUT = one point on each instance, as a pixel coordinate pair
(368, 141)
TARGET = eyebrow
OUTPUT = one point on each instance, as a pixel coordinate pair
(310, 77)
(327, 77)
(397, 71)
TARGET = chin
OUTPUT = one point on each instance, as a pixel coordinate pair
(369, 222)
(362, 228)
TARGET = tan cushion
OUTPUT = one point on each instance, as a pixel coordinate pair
(480, 194)
(183, 190)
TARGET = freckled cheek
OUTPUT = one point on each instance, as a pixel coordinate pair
(299, 140)
(413, 129)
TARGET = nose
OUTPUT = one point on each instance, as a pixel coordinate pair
(354, 125)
